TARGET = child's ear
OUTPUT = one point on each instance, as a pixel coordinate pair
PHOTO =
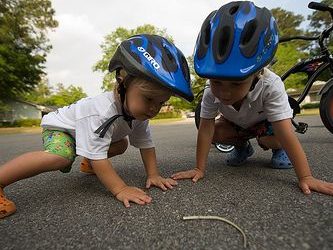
(122, 77)
(119, 78)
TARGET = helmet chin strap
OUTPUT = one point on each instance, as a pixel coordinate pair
(122, 93)
(125, 114)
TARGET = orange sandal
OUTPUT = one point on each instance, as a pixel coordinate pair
(7, 207)
(85, 166)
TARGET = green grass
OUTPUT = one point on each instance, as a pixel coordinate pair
(309, 112)
(166, 120)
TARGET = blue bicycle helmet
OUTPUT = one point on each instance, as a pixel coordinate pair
(235, 41)
(156, 59)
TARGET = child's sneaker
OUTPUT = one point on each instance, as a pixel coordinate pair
(7, 207)
(85, 166)
(239, 155)
(280, 159)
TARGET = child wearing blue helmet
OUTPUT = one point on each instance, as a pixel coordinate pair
(149, 69)
(234, 45)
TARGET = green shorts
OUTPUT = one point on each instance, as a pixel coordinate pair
(60, 143)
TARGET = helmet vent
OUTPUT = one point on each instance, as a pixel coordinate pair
(233, 10)
(249, 38)
(204, 36)
(184, 67)
(207, 35)
(151, 50)
(249, 29)
(168, 61)
(223, 44)
(223, 39)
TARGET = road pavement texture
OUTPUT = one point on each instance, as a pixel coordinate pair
(74, 211)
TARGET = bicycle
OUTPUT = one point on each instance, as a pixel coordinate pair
(313, 67)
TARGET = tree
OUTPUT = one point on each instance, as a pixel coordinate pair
(112, 41)
(43, 94)
(23, 44)
(291, 52)
(288, 22)
(65, 96)
(320, 20)
(39, 94)
(287, 55)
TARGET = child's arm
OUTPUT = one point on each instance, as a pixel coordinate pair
(153, 177)
(290, 143)
(112, 181)
(204, 141)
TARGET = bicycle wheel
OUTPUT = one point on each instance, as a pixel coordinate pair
(224, 148)
(326, 109)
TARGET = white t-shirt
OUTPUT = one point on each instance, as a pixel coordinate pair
(82, 118)
(267, 101)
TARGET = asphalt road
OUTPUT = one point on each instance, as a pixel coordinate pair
(74, 211)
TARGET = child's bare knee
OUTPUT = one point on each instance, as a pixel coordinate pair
(118, 148)
(224, 132)
(123, 145)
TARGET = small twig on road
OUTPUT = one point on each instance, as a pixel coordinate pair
(218, 218)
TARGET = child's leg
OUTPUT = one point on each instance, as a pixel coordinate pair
(226, 133)
(25, 166)
(269, 142)
(59, 154)
(116, 148)
(30, 164)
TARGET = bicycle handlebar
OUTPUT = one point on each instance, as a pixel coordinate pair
(287, 39)
(320, 7)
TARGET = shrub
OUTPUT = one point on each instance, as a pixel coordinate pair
(21, 123)
(312, 105)
(165, 115)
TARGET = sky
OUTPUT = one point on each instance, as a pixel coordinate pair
(84, 24)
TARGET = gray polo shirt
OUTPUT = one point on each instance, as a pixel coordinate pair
(267, 101)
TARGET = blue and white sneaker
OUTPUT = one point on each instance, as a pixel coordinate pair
(239, 155)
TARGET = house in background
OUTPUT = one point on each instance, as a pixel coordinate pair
(312, 96)
(16, 111)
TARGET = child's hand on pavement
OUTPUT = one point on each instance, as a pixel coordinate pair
(309, 183)
(159, 181)
(194, 174)
(133, 194)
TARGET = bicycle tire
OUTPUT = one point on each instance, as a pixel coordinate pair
(326, 109)
(224, 148)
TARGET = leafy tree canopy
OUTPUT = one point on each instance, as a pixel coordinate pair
(23, 44)
(320, 20)
(59, 96)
